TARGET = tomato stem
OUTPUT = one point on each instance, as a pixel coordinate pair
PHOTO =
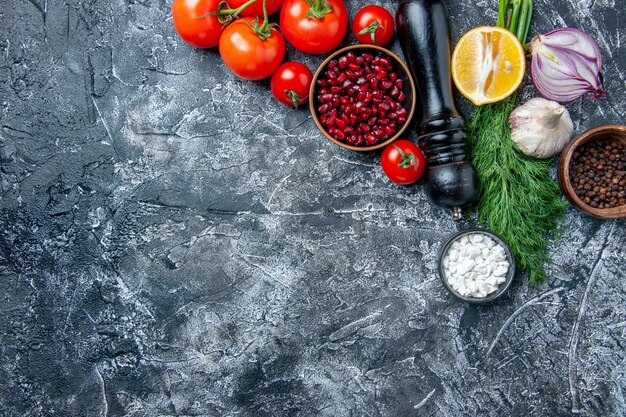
(224, 13)
(295, 98)
(318, 9)
(264, 30)
(407, 161)
(371, 29)
(265, 18)
(230, 12)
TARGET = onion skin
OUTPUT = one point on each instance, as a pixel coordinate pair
(566, 65)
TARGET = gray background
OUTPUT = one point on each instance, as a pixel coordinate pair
(174, 242)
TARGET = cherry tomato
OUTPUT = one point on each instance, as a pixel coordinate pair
(256, 8)
(314, 26)
(373, 25)
(291, 83)
(403, 162)
(246, 54)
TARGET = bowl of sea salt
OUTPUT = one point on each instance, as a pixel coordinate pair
(476, 266)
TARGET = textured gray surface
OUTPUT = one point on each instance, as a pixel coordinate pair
(174, 242)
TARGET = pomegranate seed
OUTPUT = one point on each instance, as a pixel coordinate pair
(381, 75)
(395, 92)
(392, 115)
(331, 74)
(340, 124)
(339, 134)
(400, 84)
(343, 62)
(359, 105)
(353, 119)
(347, 84)
(361, 81)
(393, 77)
(390, 130)
(374, 83)
(321, 83)
(333, 113)
(386, 84)
(371, 139)
(367, 57)
(402, 112)
(323, 108)
(359, 60)
(382, 113)
(348, 130)
(333, 131)
(402, 97)
(364, 128)
(351, 140)
(335, 101)
(351, 57)
(344, 100)
(378, 94)
(385, 106)
(354, 67)
(383, 122)
(335, 89)
(331, 121)
(323, 119)
(342, 78)
(401, 120)
(372, 121)
(378, 133)
(370, 76)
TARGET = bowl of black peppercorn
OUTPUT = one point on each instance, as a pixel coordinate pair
(592, 172)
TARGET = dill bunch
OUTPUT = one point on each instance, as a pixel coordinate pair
(517, 196)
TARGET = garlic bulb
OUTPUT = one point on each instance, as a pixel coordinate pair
(541, 128)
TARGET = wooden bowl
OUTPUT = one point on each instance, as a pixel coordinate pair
(403, 71)
(597, 133)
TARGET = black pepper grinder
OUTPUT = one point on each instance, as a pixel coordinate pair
(424, 34)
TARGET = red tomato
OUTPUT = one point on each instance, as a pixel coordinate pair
(256, 8)
(195, 24)
(373, 25)
(291, 83)
(246, 54)
(403, 162)
(314, 26)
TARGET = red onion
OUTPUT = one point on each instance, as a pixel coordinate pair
(566, 64)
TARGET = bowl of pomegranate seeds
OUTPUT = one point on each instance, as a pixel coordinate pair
(362, 97)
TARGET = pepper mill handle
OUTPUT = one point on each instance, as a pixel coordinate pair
(424, 34)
